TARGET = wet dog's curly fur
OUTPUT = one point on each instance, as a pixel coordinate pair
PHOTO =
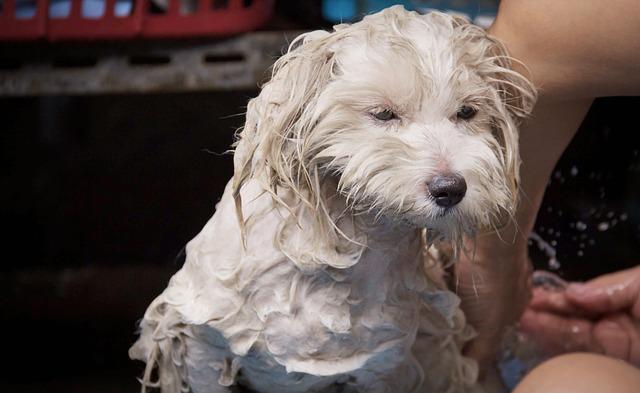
(313, 274)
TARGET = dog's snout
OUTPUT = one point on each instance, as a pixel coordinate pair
(447, 190)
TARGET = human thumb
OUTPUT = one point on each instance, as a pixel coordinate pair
(607, 294)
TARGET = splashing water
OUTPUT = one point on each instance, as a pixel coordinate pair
(548, 249)
(574, 171)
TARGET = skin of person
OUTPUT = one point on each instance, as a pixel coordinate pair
(574, 51)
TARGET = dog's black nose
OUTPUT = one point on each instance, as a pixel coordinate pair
(447, 190)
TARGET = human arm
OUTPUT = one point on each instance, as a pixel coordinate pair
(574, 50)
(493, 281)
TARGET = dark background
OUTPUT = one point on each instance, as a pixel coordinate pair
(591, 211)
(99, 195)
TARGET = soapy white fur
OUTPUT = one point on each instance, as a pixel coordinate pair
(313, 274)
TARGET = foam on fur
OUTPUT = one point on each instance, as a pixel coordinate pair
(313, 275)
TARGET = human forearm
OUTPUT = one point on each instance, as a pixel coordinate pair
(493, 278)
(574, 49)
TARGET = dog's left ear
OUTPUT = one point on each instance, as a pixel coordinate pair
(513, 95)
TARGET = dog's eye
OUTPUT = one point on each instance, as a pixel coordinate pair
(466, 112)
(385, 115)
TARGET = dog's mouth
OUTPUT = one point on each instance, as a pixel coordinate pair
(444, 211)
(436, 219)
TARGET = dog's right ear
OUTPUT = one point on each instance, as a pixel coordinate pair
(270, 148)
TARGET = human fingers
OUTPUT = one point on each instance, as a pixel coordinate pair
(548, 293)
(559, 334)
(619, 336)
(553, 302)
(608, 293)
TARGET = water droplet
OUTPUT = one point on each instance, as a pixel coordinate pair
(623, 217)
(557, 174)
(592, 242)
(580, 253)
(574, 170)
(614, 222)
(581, 245)
(610, 214)
(603, 226)
(553, 263)
(550, 231)
(560, 213)
(549, 209)
(554, 243)
(581, 226)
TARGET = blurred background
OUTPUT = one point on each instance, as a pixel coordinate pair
(116, 116)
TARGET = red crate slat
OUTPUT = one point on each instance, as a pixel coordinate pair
(108, 26)
(206, 21)
(13, 29)
(110, 8)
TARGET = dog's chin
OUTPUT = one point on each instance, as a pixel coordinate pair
(447, 222)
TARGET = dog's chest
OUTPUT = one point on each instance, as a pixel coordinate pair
(316, 327)
(334, 314)
(307, 326)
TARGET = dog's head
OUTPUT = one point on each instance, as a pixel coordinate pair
(413, 116)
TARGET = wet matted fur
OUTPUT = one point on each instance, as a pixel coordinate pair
(319, 271)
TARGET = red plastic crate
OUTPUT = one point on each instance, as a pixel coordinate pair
(230, 17)
(12, 28)
(75, 26)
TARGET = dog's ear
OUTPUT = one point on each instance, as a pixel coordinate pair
(514, 99)
(271, 145)
(512, 94)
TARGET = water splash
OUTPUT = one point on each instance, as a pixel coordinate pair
(548, 249)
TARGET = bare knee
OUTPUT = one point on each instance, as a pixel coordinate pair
(581, 373)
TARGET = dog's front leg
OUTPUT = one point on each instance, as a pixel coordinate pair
(211, 367)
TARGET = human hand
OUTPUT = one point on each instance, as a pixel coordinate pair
(601, 316)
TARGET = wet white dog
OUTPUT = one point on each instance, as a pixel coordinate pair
(312, 276)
